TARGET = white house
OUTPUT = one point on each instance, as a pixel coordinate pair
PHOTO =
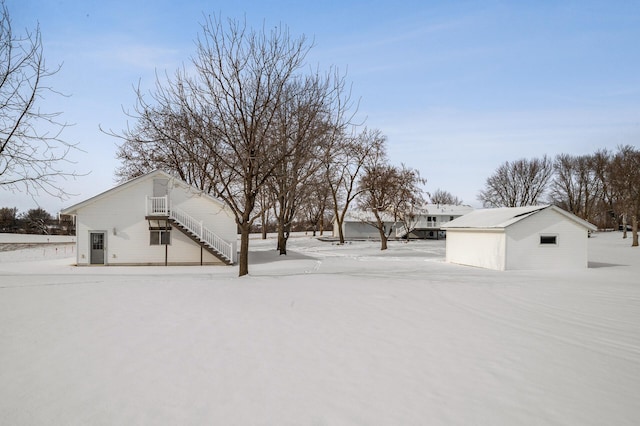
(427, 223)
(154, 219)
(535, 237)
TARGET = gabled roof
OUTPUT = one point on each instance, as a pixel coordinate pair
(502, 217)
(123, 186)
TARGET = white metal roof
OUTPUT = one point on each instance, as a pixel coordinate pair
(502, 217)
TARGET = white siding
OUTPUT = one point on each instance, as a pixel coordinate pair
(360, 230)
(485, 249)
(121, 215)
(524, 250)
(214, 215)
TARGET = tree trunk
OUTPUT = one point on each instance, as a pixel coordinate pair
(634, 230)
(321, 225)
(282, 240)
(381, 231)
(243, 266)
(624, 226)
(340, 233)
(264, 225)
(383, 239)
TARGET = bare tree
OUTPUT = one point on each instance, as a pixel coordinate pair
(31, 149)
(606, 205)
(375, 187)
(441, 196)
(223, 120)
(519, 183)
(389, 193)
(303, 134)
(624, 177)
(575, 186)
(409, 198)
(343, 168)
(265, 204)
(316, 203)
(8, 219)
(37, 221)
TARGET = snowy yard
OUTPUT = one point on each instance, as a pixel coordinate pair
(328, 335)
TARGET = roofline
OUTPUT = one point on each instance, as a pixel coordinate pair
(575, 218)
(72, 210)
(474, 229)
(557, 209)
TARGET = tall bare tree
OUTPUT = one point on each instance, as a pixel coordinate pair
(607, 211)
(32, 152)
(575, 187)
(303, 132)
(344, 166)
(316, 203)
(409, 198)
(519, 183)
(624, 177)
(222, 120)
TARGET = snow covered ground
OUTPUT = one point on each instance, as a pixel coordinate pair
(328, 335)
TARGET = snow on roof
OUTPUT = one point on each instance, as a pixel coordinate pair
(493, 218)
(446, 209)
(499, 218)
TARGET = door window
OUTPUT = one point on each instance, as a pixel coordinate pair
(97, 241)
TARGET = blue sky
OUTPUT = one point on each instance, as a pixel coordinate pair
(457, 87)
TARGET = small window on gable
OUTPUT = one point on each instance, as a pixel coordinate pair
(549, 239)
(160, 238)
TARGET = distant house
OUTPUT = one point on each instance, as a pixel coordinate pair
(154, 219)
(536, 237)
(425, 224)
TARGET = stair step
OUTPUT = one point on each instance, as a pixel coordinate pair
(198, 239)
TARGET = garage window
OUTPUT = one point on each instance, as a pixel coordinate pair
(549, 240)
(160, 238)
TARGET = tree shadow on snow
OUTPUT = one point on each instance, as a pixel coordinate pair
(595, 265)
(259, 257)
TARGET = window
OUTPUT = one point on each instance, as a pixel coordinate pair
(160, 238)
(97, 241)
(549, 239)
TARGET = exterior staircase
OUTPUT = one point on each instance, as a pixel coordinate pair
(403, 231)
(202, 235)
(194, 229)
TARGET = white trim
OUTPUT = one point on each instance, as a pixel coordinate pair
(555, 242)
(105, 255)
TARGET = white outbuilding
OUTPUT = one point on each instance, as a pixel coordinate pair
(426, 222)
(534, 237)
(154, 219)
